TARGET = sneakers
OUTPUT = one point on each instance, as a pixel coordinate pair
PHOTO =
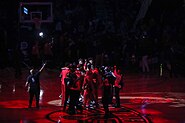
(60, 96)
(71, 112)
(108, 115)
(116, 106)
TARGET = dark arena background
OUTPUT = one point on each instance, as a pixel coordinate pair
(143, 38)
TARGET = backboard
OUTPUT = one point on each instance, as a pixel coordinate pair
(29, 11)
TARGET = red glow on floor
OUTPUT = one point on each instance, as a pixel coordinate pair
(14, 104)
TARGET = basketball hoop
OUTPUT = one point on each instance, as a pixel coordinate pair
(37, 23)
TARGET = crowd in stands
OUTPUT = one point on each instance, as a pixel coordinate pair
(80, 32)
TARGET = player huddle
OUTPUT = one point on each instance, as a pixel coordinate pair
(81, 85)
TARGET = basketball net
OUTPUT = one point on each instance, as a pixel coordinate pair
(37, 23)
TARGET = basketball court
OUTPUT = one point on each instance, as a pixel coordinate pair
(144, 99)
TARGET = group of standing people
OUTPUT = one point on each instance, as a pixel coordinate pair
(82, 80)
(87, 81)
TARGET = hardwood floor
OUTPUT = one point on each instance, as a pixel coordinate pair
(144, 99)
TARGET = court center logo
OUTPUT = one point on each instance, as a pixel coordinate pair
(118, 115)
